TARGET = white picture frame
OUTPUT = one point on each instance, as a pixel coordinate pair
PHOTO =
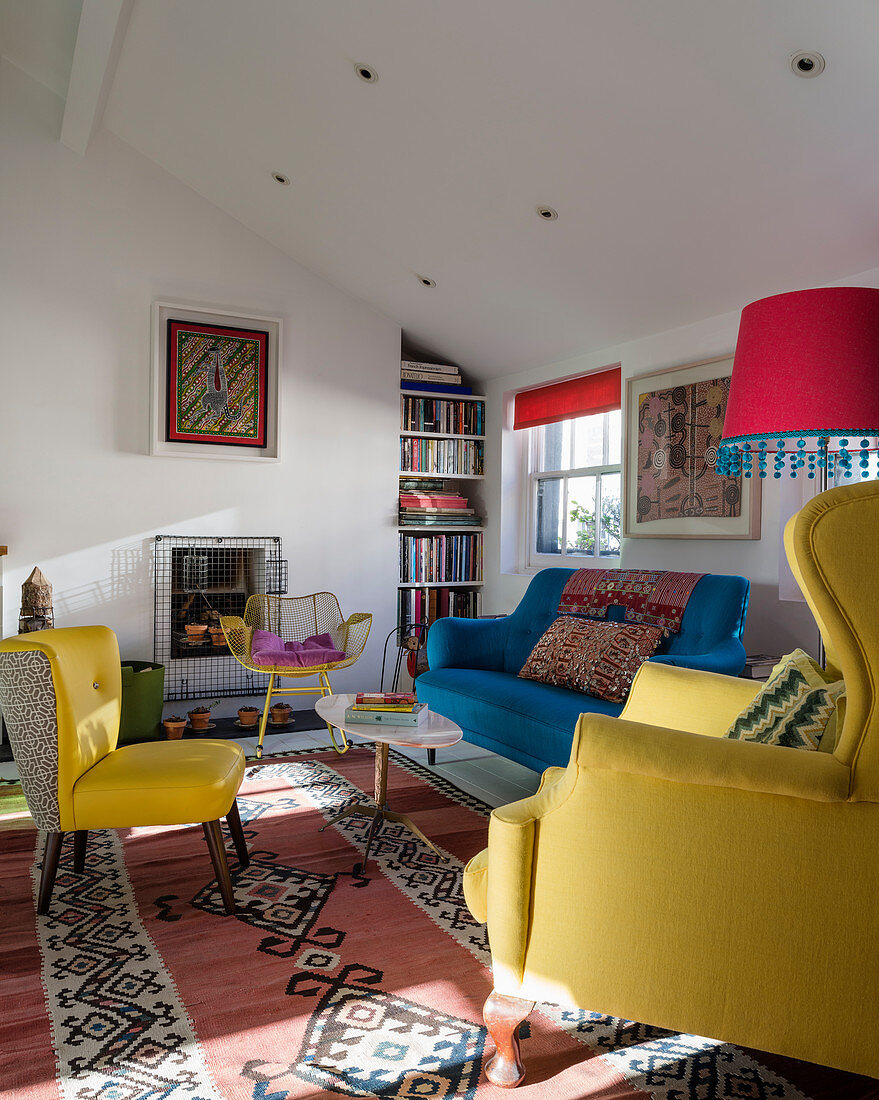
(164, 310)
(744, 526)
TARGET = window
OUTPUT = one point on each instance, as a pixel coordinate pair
(574, 490)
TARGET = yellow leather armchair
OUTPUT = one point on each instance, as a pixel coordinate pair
(712, 886)
(60, 692)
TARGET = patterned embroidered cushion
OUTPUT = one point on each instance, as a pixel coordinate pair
(795, 708)
(596, 658)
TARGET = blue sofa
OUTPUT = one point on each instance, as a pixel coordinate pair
(474, 664)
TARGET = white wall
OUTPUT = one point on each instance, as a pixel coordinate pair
(86, 244)
(773, 625)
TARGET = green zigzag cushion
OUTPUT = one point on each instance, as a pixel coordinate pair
(795, 708)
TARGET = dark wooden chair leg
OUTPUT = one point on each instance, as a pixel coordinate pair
(233, 820)
(80, 843)
(214, 836)
(51, 855)
(431, 757)
(502, 1017)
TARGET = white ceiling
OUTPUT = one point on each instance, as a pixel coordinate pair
(692, 171)
(39, 36)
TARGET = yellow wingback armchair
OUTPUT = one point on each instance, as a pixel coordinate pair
(706, 885)
(61, 694)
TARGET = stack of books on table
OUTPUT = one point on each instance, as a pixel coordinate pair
(433, 377)
(386, 709)
(425, 503)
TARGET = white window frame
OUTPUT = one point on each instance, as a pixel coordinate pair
(531, 477)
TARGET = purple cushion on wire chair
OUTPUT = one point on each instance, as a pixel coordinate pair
(268, 649)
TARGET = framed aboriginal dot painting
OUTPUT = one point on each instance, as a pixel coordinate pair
(674, 424)
(215, 383)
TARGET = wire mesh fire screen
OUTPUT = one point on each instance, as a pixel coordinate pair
(196, 581)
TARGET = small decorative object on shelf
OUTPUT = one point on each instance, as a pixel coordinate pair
(36, 604)
(199, 717)
(174, 725)
(248, 716)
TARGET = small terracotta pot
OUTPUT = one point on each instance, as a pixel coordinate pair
(199, 721)
(280, 712)
(174, 730)
(248, 716)
(196, 630)
(218, 637)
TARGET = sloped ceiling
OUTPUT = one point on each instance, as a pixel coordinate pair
(692, 171)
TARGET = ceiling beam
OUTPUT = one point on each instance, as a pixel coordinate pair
(102, 27)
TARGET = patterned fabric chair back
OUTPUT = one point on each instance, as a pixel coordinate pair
(60, 693)
(27, 698)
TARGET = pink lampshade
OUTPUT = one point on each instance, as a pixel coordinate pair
(805, 381)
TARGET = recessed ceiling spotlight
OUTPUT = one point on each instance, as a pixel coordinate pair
(366, 73)
(279, 177)
(425, 280)
(547, 213)
(807, 63)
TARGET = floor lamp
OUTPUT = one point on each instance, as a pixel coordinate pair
(804, 394)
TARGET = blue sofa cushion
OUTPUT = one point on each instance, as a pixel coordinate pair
(534, 722)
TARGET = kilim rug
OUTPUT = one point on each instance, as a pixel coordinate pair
(138, 987)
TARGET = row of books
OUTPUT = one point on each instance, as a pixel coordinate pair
(434, 377)
(441, 456)
(419, 605)
(440, 558)
(422, 519)
(434, 414)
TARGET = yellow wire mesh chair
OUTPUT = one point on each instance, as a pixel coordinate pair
(295, 618)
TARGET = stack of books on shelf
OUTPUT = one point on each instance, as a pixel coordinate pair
(449, 457)
(433, 377)
(425, 503)
(442, 416)
(426, 605)
(440, 558)
(386, 709)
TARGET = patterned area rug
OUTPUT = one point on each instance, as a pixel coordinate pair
(138, 987)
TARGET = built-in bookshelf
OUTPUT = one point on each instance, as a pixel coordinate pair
(442, 454)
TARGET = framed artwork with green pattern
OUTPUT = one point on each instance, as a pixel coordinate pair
(215, 383)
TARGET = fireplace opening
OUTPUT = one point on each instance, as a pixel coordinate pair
(198, 581)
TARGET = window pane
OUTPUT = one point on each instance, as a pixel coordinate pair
(588, 432)
(609, 528)
(581, 515)
(553, 447)
(615, 438)
(548, 537)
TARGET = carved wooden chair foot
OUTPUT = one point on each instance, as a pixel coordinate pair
(502, 1016)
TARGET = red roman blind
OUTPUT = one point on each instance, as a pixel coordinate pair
(591, 393)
